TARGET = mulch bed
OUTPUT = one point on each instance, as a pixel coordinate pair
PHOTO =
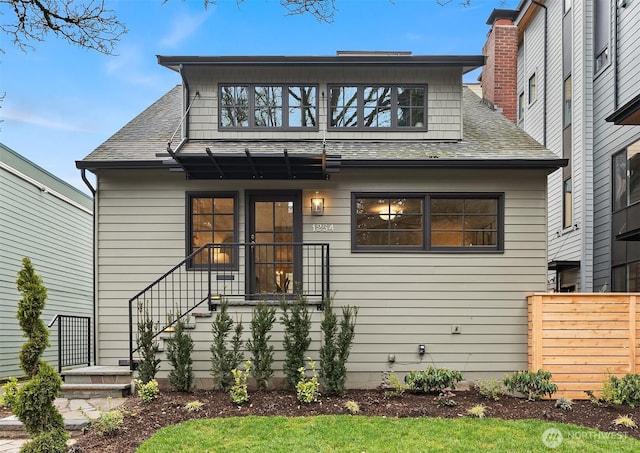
(143, 419)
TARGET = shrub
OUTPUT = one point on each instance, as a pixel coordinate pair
(624, 390)
(352, 406)
(223, 358)
(297, 326)
(479, 410)
(179, 352)
(336, 346)
(566, 404)
(308, 389)
(433, 379)
(33, 403)
(194, 406)
(108, 422)
(533, 385)
(47, 441)
(238, 391)
(392, 383)
(10, 393)
(262, 352)
(490, 388)
(625, 420)
(147, 347)
(445, 398)
(148, 391)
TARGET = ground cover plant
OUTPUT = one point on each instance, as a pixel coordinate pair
(142, 420)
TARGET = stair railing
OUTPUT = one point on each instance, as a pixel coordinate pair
(74, 340)
(216, 271)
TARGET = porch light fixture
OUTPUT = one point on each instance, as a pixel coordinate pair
(317, 205)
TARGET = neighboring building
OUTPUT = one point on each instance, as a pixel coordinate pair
(576, 77)
(49, 221)
(374, 177)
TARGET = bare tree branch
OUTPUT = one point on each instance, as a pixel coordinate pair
(323, 10)
(87, 24)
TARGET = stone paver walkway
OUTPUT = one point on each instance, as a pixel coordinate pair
(76, 413)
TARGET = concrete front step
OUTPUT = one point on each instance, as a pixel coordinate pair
(88, 391)
(96, 382)
(11, 428)
(98, 375)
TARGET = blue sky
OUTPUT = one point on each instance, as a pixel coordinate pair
(61, 101)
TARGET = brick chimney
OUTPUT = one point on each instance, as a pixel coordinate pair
(500, 74)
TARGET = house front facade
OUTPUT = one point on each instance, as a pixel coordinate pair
(51, 222)
(576, 92)
(373, 178)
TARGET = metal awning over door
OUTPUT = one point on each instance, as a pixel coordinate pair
(247, 165)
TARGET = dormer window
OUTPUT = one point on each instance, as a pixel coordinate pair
(261, 106)
(379, 106)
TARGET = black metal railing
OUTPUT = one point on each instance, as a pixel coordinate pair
(237, 272)
(74, 340)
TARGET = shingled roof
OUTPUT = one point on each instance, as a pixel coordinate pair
(489, 140)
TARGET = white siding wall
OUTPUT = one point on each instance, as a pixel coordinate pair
(609, 138)
(570, 243)
(57, 237)
(404, 299)
(443, 109)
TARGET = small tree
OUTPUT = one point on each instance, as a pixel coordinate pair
(179, 352)
(223, 359)
(34, 403)
(297, 326)
(336, 346)
(262, 322)
(148, 349)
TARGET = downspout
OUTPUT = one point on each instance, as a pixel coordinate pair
(544, 89)
(615, 56)
(83, 174)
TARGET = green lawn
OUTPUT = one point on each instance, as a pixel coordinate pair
(345, 433)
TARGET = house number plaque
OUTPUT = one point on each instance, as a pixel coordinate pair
(323, 227)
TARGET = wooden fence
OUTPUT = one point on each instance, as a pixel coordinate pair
(581, 338)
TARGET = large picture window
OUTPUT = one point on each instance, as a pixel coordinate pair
(377, 106)
(428, 222)
(626, 177)
(256, 106)
(212, 218)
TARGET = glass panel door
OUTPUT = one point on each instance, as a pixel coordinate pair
(275, 228)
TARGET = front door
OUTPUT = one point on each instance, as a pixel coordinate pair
(274, 227)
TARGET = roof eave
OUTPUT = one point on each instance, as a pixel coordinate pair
(93, 165)
(548, 164)
(467, 62)
(627, 115)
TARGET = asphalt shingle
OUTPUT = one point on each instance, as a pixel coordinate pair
(488, 135)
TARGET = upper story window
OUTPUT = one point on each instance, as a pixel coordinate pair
(601, 20)
(255, 106)
(626, 177)
(428, 222)
(521, 106)
(567, 94)
(378, 106)
(533, 88)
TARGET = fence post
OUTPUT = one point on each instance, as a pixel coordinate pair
(633, 339)
(535, 311)
(59, 345)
